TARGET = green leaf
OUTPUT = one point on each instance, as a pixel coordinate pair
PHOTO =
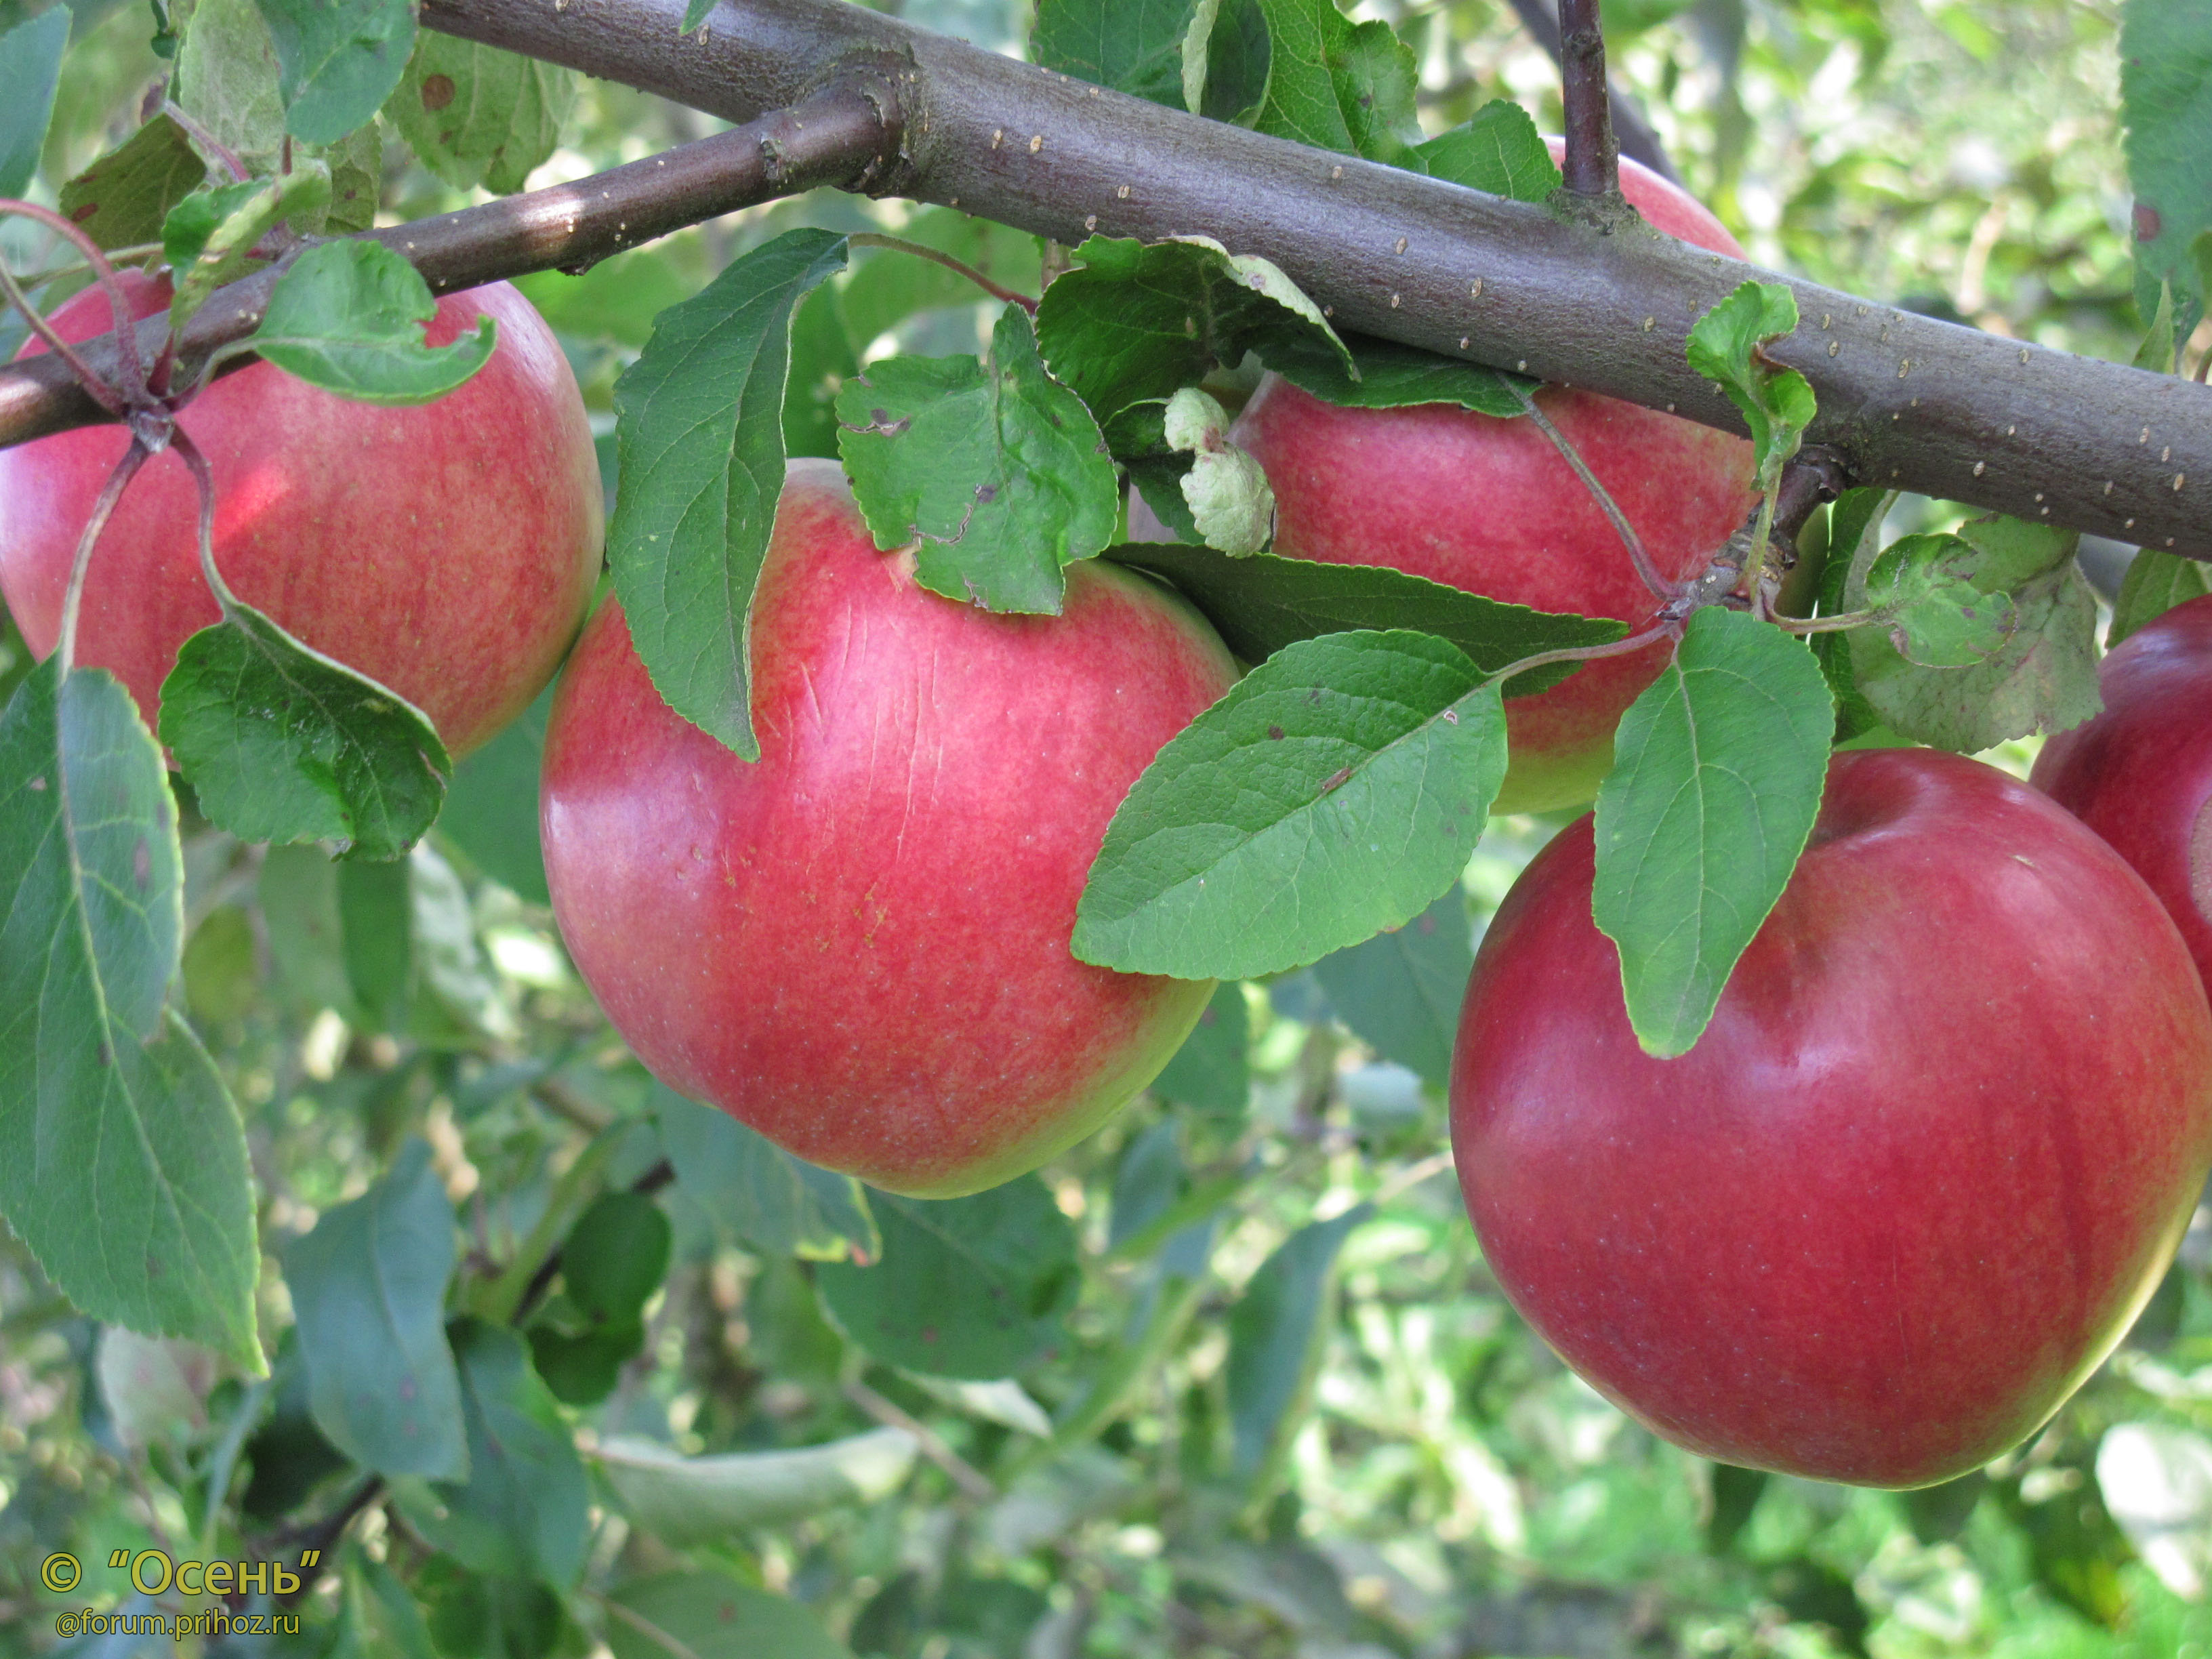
(2158, 352)
(227, 80)
(375, 908)
(2166, 101)
(121, 200)
(777, 1204)
(209, 237)
(1231, 507)
(1855, 521)
(702, 1500)
(615, 1256)
(486, 1616)
(996, 471)
(2155, 583)
(491, 807)
(1335, 791)
(2044, 677)
(1260, 605)
(1715, 785)
(283, 744)
(1937, 618)
(30, 70)
(1225, 60)
(347, 316)
(1338, 85)
(887, 286)
(368, 1288)
(822, 361)
(1726, 346)
(337, 60)
(1388, 376)
(378, 1615)
(123, 1162)
(696, 12)
(1211, 1071)
(1130, 45)
(966, 1287)
(1498, 151)
(475, 115)
(1136, 323)
(703, 464)
(710, 1614)
(1400, 991)
(1278, 1332)
(522, 1511)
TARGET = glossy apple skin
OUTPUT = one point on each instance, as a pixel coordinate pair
(858, 944)
(2140, 774)
(447, 550)
(1916, 1178)
(1487, 505)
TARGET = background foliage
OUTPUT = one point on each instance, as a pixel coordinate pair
(1234, 1379)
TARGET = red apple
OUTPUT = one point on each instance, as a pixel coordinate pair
(859, 944)
(1488, 505)
(1946, 1129)
(2140, 774)
(447, 550)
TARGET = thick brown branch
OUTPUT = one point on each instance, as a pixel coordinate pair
(1593, 158)
(1637, 141)
(846, 135)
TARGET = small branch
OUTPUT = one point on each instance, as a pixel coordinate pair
(899, 244)
(1814, 475)
(1638, 554)
(1593, 164)
(1638, 141)
(965, 1476)
(113, 398)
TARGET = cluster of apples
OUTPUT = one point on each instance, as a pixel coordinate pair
(1943, 1133)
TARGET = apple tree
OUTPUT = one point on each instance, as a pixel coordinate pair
(367, 1288)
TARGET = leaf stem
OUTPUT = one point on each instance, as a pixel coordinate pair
(1638, 554)
(116, 400)
(203, 477)
(116, 255)
(873, 239)
(1669, 628)
(73, 601)
(208, 142)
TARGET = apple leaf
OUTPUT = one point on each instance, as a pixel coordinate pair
(1338, 85)
(2044, 677)
(283, 744)
(1276, 1334)
(2155, 583)
(476, 115)
(2165, 91)
(523, 1510)
(1231, 507)
(123, 1162)
(369, 1290)
(701, 432)
(1388, 376)
(1937, 616)
(123, 198)
(209, 236)
(966, 1287)
(1856, 519)
(1335, 792)
(1400, 991)
(1211, 1072)
(1137, 322)
(703, 1500)
(347, 316)
(491, 806)
(776, 1204)
(710, 1612)
(30, 70)
(1225, 60)
(1715, 785)
(994, 471)
(1497, 150)
(337, 61)
(1261, 603)
(1726, 346)
(1130, 45)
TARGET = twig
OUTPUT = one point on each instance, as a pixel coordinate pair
(965, 1476)
(1592, 161)
(1638, 141)
(899, 244)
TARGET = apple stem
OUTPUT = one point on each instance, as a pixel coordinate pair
(872, 239)
(112, 492)
(1593, 165)
(1638, 554)
(116, 400)
(203, 477)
